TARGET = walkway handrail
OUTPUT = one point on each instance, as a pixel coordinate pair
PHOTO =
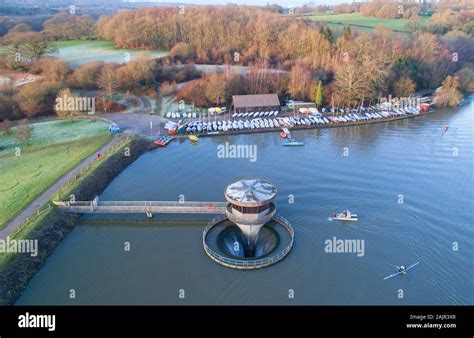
(161, 203)
(97, 206)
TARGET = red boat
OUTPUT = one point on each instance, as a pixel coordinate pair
(282, 135)
(160, 143)
(163, 140)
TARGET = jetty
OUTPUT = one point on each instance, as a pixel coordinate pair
(163, 140)
(141, 207)
(290, 141)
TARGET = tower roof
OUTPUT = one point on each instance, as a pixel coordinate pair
(250, 192)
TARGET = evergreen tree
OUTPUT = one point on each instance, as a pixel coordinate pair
(319, 94)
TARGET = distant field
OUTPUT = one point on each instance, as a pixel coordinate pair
(362, 22)
(77, 52)
(56, 148)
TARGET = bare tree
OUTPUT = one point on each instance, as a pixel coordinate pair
(404, 87)
(108, 81)
(6, 127)
(23, 132)
(215, 90)
(449, 94)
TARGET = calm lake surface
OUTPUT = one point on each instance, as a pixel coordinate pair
(432, 169)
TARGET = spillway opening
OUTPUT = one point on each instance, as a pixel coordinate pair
(225, 243)
(232, 242)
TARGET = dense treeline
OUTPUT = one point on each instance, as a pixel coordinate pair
(221, 34)
(389, 10)
(35, 22)
(141, 76)
(354, 66)
(351, 67)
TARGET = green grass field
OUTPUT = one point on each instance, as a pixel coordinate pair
(56, 148)
(367, 22)
(77, 52)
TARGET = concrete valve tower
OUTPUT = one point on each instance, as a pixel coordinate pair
(250, 206)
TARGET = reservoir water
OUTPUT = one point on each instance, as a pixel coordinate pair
(410, 182)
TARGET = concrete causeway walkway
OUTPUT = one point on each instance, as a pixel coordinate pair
(33, 208)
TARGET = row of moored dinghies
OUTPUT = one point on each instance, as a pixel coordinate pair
(272, 121)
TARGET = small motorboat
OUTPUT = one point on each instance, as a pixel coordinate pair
(345, 215)
(283, 135)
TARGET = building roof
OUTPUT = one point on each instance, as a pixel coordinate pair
(250, 192)
(263, 100)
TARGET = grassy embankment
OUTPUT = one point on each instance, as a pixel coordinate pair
(51, 225)
(364, 23)
(78, 52)
(56, 148)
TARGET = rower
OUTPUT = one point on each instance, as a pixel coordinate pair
(401, 269)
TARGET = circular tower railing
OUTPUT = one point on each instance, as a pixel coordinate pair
(243, 264)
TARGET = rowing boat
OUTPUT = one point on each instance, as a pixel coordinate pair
(401, 270)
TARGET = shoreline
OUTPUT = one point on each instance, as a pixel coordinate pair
(308, 127)
(52, 227)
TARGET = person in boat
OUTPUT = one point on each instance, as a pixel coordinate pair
(401, 269)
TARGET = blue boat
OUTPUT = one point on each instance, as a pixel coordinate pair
(289, 141)
(292, 144)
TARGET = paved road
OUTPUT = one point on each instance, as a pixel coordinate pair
(43, 198)
(139, 123)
